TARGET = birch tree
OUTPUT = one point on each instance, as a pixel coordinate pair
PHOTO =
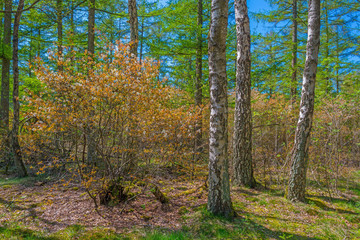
(297, 182)
(219, 202)
(242, 161)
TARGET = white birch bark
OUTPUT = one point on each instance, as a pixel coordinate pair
(297, 181)
(242, 142)
(219, 202)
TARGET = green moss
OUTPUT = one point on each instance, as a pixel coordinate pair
(239, 205)
(312, 212)
(183, 210)
(252, 199)
(319, 203)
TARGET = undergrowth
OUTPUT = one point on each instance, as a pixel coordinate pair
(262, 214)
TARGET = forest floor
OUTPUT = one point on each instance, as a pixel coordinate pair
(33, 208)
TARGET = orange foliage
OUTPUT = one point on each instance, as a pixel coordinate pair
(134, 118)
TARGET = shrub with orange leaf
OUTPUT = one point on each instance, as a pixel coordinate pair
(133, 119)
(334, 143)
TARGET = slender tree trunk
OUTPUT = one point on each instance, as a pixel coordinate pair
(219, 201)
(327, 51)
(15, 131)
(242, 140)
(134, 31)
(72, 27)
(272, 60)
(30, 53)
(2, 6)
(129, 160)
(91, 154)
(91, 28)
(39, 44)
(119, 29)
(337, 61)
(293, 89)
(72, 24)
(142, 39)
(59, 9)
(297, 182)
(5, 74)
(198, 83)
(112, 40)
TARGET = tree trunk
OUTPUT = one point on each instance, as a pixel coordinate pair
(337, 61)
(297, 182)
(30, 53)
(72, 31)
(59, 7)
(15, 131)
(219, 201)
(39, 42)
(242, 141)
(134, 31)
(293, 90)
(142, 39)
(198, 83)
(91, 154)
(328, 86)
(91, 28)
(2, 6)
(119, 29)
(5, 74)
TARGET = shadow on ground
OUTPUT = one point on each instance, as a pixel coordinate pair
(31, 212)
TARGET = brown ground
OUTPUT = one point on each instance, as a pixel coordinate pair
(51, 208)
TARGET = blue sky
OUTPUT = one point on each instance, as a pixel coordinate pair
(255, 6)
(258, 5)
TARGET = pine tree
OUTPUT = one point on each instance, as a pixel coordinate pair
(134, 27)
(22, 172)
(5, 74)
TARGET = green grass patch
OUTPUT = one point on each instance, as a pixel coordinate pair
(72, 232)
